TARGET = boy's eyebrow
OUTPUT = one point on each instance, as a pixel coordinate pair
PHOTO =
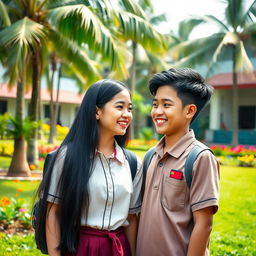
(165, 99)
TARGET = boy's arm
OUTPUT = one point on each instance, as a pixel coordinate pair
(131, 231)
(201, 232)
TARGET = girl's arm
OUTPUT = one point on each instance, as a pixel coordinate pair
(52, 230)
(131, 231)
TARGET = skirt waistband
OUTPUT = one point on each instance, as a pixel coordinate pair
(112, 235)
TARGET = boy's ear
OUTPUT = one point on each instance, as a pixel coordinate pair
(190, 110)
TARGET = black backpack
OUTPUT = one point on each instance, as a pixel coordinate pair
(42, 245)
(191, 158)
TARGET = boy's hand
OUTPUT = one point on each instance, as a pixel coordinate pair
(200, 235)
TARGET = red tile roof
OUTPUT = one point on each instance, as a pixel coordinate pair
(224, 81)
(64, 96)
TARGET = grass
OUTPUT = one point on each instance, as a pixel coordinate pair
(5, 162)
(9, 188)
(234, 224)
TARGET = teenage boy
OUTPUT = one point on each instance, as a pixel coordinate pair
(177, 220)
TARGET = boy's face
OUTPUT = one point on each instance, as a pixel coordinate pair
(168, 114)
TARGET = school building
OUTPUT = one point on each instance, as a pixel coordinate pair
(216, 119)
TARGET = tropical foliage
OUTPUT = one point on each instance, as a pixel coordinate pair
(235, 37)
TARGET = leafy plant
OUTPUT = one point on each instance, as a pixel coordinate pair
(16, 128)
(3, 122)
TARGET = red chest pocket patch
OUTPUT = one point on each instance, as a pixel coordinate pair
(178, 175)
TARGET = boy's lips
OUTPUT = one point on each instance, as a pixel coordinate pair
(160, 121)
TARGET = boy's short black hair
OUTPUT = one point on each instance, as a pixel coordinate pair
(189, 84)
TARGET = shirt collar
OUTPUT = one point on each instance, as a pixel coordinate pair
(179, 147)
(117, 154)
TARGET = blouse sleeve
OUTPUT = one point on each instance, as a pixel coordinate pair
(53, 193)
(135, 203)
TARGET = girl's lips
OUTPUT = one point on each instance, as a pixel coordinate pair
(123, 124)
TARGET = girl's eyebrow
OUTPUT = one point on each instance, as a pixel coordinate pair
(122, 102)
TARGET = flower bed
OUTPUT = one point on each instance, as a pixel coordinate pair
(239, 155)
(14, 215)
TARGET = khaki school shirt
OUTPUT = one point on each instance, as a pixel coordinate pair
(166, 220)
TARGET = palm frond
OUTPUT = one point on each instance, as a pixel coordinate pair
(18, 40)
(4, 17)
(132, 7)
(219, 23)
(237, 12)
(187, 26)
(243, 62)
(192, 52)
(76, 56)
(80, 24)
(141, 31)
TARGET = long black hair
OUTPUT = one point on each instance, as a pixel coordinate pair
(80, 145)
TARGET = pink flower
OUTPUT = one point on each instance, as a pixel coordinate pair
(23, 210)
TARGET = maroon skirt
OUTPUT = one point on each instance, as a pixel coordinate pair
(95, 242)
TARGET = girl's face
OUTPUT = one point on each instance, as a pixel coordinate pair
(116, 115)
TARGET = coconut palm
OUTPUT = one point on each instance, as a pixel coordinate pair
(36, 23)
(231, 42)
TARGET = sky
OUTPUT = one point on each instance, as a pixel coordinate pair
(178, 10)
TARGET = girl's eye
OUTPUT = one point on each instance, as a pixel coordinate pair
(130, 108)
(167, 105)
(154, 105)
(119, 106)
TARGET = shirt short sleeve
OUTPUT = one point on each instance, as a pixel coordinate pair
(53, 194)
(135, 203)
(205, 183)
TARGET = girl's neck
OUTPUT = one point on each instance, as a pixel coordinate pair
(106, 145)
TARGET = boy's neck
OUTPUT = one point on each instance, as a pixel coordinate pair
(171, 140)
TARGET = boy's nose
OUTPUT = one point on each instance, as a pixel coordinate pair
(157, 111)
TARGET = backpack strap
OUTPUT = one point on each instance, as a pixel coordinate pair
(191, 158)
(146, 162)
(132, 160)
(47, 161)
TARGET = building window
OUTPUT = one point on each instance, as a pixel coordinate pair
(247, 117)
(47, 113)
(3, 106)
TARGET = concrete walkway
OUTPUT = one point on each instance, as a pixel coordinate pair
(35, 175)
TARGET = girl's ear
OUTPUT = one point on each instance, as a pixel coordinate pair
(97, 113)
(190, 111)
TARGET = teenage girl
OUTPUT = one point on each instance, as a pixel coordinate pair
(91, 200)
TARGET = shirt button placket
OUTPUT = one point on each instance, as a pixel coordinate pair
(110, 195)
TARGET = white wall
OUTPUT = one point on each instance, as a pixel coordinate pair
(221, 104)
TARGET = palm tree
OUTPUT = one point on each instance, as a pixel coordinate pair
(232, 41)
(137, 28)
(57, 22)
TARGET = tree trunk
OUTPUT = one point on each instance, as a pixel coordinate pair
(32, 153)
(19, 165)
(235, 103)
(52, 134)
(133, 80)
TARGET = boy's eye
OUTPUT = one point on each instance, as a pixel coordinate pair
(130, 108)
(154, 105)
(167, 105)
(119, 106)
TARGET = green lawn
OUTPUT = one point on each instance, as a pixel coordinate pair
(234, 224)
